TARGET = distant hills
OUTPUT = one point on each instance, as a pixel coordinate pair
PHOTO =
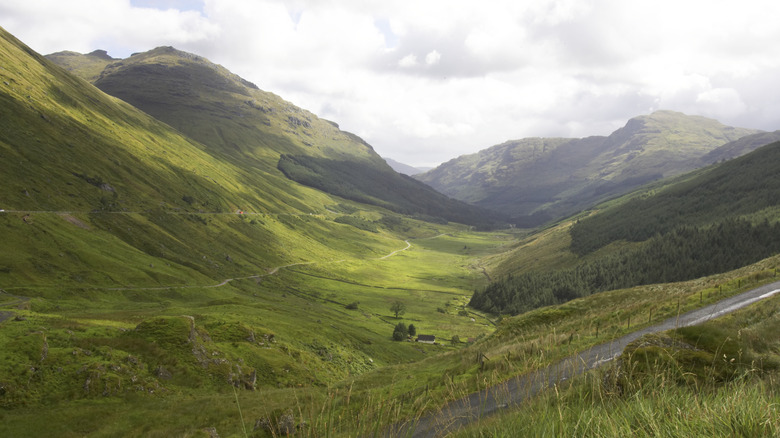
(710, 221)
(405, 168)
(539, 179)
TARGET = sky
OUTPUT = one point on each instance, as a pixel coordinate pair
(425, 81)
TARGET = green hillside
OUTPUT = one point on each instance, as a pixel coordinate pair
(88, 66)
(163, 276)
(142, 266)
(254, 129)
(716, 379)
(715, 220)
(539, 179)
(748, 186)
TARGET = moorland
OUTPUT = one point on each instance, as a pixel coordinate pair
(185, 254)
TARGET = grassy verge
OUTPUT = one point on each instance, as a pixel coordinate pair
(717, 379)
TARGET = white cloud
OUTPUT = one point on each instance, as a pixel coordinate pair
(433, 57)
(408, 61)
(426, 81)
(721, 103)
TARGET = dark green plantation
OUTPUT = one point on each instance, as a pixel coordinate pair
(684, 253)
(743, 187)
(715, 220)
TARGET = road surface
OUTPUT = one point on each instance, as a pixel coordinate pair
(461, 412)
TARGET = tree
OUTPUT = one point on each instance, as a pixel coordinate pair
(398, 307)
(412, 330)
(400, 332)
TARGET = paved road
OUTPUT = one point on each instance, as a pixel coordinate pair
(461, 412)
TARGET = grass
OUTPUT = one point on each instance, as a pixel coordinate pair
(153, 308)
(292, 328)
(336, 368)
(717, 379)
(743, 408)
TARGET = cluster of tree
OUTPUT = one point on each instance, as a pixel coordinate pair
(685, 253)
(402, 331)
(741, 186)
(367, 183)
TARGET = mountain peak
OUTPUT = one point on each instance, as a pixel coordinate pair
(556, 178)
(102, 54)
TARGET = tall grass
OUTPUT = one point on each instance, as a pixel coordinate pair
(653, 406)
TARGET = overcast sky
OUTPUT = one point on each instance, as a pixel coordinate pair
(424, 81)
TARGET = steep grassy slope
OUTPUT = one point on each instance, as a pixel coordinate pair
(717, 379)
(252, 128)
(552, 178)
(88, 66)
(139, 264)
(713, 220)
(740, 147)
(744, 186)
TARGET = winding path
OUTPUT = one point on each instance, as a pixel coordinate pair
(4, 315)
(408, 245)
(511, 393)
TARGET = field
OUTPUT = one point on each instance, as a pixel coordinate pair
(159, 346)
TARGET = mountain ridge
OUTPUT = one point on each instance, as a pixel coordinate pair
(151, 247)
(405, 168)
(247, 126)
(554, 177)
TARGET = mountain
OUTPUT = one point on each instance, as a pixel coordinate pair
(405, 168)
(155, 284)
(538, 179)
(739, 147)
(249, 127)
(745, 187)
(710, 221)
(88, 66)
(184, 265)
(149, 260)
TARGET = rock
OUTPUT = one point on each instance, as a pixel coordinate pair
(286, 424)
(278, 424)
(263, 424)
(163, 373)
(250, 382)
(211, 432)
